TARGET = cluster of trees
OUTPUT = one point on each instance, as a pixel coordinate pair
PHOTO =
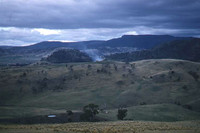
(91, 110)
(105, 69)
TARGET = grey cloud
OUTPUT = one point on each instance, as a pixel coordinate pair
(81, 20)
(72, 14)
(27, 36)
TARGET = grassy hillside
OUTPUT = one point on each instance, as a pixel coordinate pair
(155, 112)
(107, 127)
(57, 87)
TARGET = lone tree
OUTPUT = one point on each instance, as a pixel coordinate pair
(121, 113)
(69, 114)
(90, 111)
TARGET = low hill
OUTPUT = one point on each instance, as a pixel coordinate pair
(179, 49)
(68, 55)
(111, 85)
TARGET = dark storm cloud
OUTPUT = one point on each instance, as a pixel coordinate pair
(67, 14)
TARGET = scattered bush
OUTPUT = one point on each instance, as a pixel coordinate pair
(133, 65)
(69, 112)
(187, 107)
(89, 67)
(120, 82)
(184, 87)
(194, 75)
(143, 103)
(23, 75)
(171, 72)
(103, 70)
(177, 103)
(115, 67)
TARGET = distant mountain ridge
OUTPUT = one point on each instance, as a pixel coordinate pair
(126, 43)
(140, 41)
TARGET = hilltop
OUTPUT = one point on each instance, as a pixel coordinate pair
(67, 56)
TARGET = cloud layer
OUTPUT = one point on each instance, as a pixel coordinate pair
(95, 19)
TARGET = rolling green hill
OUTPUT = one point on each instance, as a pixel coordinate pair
(159, 84)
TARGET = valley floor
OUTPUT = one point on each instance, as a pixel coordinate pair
(107, 127)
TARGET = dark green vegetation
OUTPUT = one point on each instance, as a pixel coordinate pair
(121, 113)
(68, 55)
(179, 49)
(89, 112)
(161, 90)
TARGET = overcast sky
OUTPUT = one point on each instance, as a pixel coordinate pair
(24, 22)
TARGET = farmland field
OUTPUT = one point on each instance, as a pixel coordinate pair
(107, 127)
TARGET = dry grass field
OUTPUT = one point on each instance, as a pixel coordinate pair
(107, 127)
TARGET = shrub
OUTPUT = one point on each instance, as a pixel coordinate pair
(89, 67)
(120, 83)
(143, 103)
(187, 107)
(69, 112)
(115, 67)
